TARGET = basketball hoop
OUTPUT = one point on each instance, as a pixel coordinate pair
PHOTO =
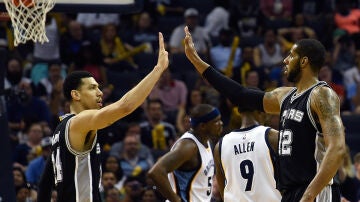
(28, 19)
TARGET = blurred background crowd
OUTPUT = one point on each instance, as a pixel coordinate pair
(246, 40)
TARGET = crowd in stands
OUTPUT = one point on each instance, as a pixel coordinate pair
(246, 40)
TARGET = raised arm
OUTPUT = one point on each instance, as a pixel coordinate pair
(96, 119)
(236, 93)
(325, 104)
(174, 159)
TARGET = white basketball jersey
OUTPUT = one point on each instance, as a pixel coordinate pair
(194, 185)
(246, 162)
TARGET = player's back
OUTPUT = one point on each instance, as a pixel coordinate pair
(247, 163)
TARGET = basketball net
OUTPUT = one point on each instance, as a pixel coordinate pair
(28, 20)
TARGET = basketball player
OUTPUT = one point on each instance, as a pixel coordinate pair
(311, 136)
(185, 172)
(244, 162)
(75, 153)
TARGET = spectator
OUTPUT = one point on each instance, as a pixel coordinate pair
(252, 79)
(13, 78)
(37, 165)
(277, 13)
(156, 133)
(201, 39)
(133, 130)
(19, 177)
(28, 108)
(247, 64)
(326, 74)
(112, 164)
(23, 193)
(268, 54)
(172, 93)
(117, 54)
(217, 20)
(344, 52)
(108, 181)
(195, 97)
(51, 82)
(112, 195)
(133, 190)
(49, 51)
(89, 59)
(244, 17)
(347, 16)
(94, 22)
(34, 136)
(23, 190)
(150, 195)
(144, 32)
(220, 54)
(131, 162)
(71, 42)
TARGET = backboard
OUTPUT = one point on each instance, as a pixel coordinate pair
(93, 6)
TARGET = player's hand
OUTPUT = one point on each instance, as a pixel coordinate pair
(190, 50)
(163, 59)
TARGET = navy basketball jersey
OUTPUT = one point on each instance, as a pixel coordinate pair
(76, 174)
(301, 144)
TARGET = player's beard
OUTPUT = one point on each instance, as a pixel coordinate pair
(294, 73)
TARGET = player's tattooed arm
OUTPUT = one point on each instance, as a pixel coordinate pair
(273, 98)
(326, 105)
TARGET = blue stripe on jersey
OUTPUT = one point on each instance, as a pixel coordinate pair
(183, 181)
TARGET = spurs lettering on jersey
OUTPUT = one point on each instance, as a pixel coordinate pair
(292, 114)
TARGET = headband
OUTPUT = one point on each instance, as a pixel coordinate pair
(205, 118)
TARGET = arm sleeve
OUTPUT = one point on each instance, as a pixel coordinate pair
(46, 183)
(239, 95)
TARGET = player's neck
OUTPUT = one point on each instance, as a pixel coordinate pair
(75, 108)
(203, 139)
(248, 122)
(305, 83)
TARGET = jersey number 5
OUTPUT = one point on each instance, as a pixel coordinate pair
(285, 138)
(247, 172)
(208, 192)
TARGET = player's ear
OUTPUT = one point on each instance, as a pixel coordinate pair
(75, 95)
(304, 61)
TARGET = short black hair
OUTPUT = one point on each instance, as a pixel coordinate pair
(314, 50)
(73, 82)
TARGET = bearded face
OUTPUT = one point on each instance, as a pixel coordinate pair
(14, 72)
(294, 73)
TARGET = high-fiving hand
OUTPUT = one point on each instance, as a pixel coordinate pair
(191, 53)
(163, 59)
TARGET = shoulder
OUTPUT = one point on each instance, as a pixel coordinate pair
(323, 93)
(184, 148)
(279, 92)
(324, 101)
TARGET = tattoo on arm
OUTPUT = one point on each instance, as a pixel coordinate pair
(327, 108)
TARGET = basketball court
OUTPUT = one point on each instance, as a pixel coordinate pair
(28, 22)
